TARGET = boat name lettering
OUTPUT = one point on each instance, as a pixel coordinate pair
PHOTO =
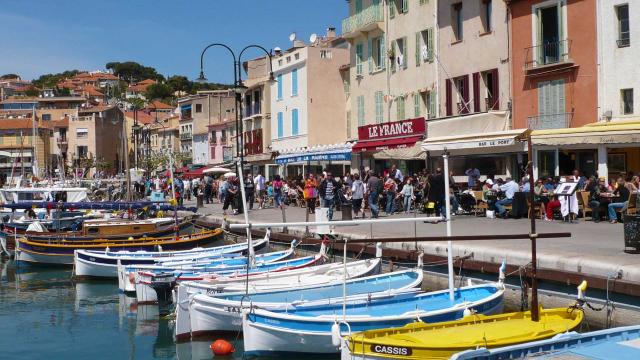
(391, 350)
(233, 309)
(92, 259)
(213, 291)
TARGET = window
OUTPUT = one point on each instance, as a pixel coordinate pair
(376, 54)
(624, 36)
(400, 52)
(417, 99)
(405, 6)
(280, 125)
(462, 93)
(392, 9)
(424, 46)
(551, 106)
(492, 96)
(359, 55)
(294, 82)
(82, 133)
(348, 124)
(627, 101)
(280, 62)
(46, 117)
(279, 80)
(422, 2)
(213, 138)
(296, 56)
(347, 87)
(457, 20)
(431, 103)
(325, 54)
(223, 137)
(288, 59)
(379, 98)
(294, 122)
(487, 9)
(360, 102)
(400, 108)
(198, 108)
(82, 151)
(358, 6)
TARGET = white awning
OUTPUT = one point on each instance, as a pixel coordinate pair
(488, 122)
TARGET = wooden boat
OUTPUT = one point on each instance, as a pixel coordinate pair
(61, 252)
(98, 229)
(441, 340)
(622, 343)
(309, 329)
(221, 312)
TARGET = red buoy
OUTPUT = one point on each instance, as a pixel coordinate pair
(222, 348)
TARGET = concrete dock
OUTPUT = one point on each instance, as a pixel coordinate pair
(594, 251)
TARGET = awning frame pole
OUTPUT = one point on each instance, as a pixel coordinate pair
(447, 202)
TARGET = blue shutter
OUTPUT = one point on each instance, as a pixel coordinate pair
(294, 82)
(280, 125)
(294, 122)
(279, 86)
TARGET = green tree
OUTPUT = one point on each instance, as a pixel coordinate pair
(131, 71)
(158, 91)
(180, 83)
(51, 80)
(33, 92)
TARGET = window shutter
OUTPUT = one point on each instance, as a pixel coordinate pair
(416, 105)
(294, 82)
(418, 48)
(449, 99)
(560, 96)
(405, 6)
(383, 54)
(370, 54)
(432, 104)
(392, 60)
(294, 122)
(392, 9)
(476, 92)
(495, 97)
(430, 44)
(405, 53)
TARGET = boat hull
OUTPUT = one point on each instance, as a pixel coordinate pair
(63, 254)
(266, 335)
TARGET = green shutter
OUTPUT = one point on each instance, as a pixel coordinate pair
(383, 54)
(430, 48)
(416, 105)
(418, 49)
(359, 59)
(392, 9)
(405, 6)
(405, 54)
(370, 54)
(432, 104)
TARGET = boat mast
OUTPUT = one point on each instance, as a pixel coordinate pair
(21, 156)
(447, 202)
(532, 235)
(251, 257)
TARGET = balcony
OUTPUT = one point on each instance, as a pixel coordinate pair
(550, 121)
(369, 19)
(252, 110)
(253, 142)
(186, 136)
(63, 142)
(548, 57)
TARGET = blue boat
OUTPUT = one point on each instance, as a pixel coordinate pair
(221, 312)
(309, 329)
(622, 343)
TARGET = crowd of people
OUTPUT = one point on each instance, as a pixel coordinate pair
(391, 192)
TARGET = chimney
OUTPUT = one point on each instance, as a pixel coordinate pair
(331, 32)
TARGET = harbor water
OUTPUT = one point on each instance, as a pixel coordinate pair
(44, 315)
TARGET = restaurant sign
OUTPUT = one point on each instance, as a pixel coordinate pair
(397, 129)
(299, 158)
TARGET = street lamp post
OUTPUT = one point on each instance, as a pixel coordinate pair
(239, 89)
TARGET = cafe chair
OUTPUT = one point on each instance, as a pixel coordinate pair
(632, 207)
(583, 204)
(481, 206)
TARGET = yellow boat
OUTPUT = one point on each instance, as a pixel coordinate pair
(441, 340)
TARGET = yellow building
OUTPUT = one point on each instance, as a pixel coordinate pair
(20, 151)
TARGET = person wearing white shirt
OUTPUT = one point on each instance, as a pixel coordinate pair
(509, 189)
(396, 174)
(260, 189)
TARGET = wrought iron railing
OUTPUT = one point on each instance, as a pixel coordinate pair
(550, 121)
(371, 14)
(548, 53)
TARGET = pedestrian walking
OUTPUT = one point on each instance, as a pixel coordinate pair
(260, 188)
(374, 188)
(310, 193)
(249, 188)
(357, 194)
(328, 191)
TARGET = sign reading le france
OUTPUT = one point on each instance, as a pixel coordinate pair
(392, 129)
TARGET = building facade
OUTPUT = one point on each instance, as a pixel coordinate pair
(307, 111)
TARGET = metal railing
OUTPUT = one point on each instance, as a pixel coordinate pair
(251, 110)
(372, 14)
(553, 52)
(186, 136)
(550, 121)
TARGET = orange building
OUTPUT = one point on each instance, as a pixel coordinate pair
(555, 75)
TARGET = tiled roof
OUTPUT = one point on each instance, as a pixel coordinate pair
(95, 109)
(92, 91)
(145, 117)
(19, 124)
(159, 105)
(141, 86)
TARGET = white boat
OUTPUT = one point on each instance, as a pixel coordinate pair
(312, 329)
(89, 263)
(222, 312)
(300, 278)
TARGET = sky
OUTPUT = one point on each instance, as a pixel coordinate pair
(49, 36)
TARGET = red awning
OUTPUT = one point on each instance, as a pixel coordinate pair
(195, 173)
(386, 144)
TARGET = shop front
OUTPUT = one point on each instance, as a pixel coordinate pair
(380, 146)
(606, 149)
(482, 141)
(297, 163)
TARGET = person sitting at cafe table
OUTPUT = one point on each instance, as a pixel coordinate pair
(540, 195)
(489, 195)
(509, 189)
(595, 189)
(549, 184)
(622, 193)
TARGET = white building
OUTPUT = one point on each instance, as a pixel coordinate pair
(308, 106)
(618, 52)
